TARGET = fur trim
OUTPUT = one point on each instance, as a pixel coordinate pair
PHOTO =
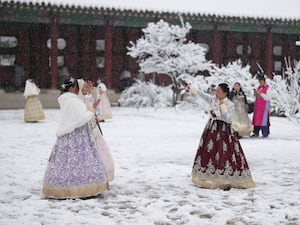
(31, 89)
(74, 113)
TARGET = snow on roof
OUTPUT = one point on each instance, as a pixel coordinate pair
(288, 9)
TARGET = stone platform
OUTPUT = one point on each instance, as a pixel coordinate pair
(16, 100)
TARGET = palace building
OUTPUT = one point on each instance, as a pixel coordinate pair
(52, 40)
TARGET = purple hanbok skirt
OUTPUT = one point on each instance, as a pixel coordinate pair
(75, 168)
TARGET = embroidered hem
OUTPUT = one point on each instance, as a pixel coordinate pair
(214, 181)
(75, 191)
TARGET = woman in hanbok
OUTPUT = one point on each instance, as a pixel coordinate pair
(89, 96)
(220, 161)
(241, 122)
(261, 114)
(104, 108)
(33, 107)
(75, 168)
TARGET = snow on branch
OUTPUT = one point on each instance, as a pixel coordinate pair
(286, 92)
(146, 94)
(163, 48)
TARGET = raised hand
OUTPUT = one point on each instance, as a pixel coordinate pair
(89, 85)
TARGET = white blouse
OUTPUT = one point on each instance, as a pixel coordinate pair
(216, 110)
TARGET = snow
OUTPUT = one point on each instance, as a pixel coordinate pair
(153, 152)
(255, 8)
(286, 91)
(146, 94)
(163, 48)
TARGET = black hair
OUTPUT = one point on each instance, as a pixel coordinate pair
(70, 82)
(183, 82)
(239, 93)
(261, 76)
(224, 88)
(241, 89)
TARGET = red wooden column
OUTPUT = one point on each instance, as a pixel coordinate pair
(269, 53)
(44, 58)
(217, 46)
(108, 55)
(93, 55)
(292, 51)
(23, 55)
(54, 54)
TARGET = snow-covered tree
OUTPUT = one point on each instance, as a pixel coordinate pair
(235, 72)
(164, 49)
(146, 94)
(286, 92)
(231, 73)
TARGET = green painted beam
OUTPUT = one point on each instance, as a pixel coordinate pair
(80, 17)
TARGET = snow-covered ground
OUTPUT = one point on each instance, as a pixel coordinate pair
(153, 153)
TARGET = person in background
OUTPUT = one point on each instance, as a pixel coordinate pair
(75, 168)
(19, 73)
(241, 122)
(261, 115)
(125, 80)
(33, 111)
(220, 161)
(88, 93)
(212, 89)
(104, 108)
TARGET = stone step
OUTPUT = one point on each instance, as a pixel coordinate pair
(16, 100)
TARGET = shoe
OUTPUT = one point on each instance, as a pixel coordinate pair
(226, 188)
(254, 136)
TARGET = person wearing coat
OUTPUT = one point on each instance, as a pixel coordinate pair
(33, 111)
(75, 168)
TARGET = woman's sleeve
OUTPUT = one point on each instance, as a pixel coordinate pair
(267, 96)
(206, 97)
(227, 112)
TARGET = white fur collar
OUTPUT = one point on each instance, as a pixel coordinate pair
(30, 89)
(74, 113)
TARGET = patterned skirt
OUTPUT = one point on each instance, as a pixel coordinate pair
(220, 161)
(33, 109)
(75, 168)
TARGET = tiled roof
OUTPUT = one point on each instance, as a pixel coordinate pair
(97, 12)
(267, 9)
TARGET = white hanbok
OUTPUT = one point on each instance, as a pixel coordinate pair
(33, 107)
(105, 111)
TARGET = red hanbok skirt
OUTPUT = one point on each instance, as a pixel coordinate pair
(220, 161)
